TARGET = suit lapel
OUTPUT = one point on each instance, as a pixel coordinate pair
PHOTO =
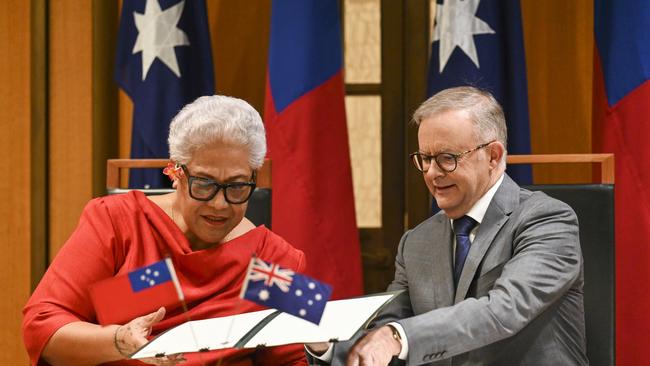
(440, 273)
(498, 212)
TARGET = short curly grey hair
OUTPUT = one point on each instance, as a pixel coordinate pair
(487, 114)
(214, 119)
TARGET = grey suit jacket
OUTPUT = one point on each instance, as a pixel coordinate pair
(519, 299)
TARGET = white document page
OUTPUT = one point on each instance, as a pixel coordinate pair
(341, 319)
(209, 334)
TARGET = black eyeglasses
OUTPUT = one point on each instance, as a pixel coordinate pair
(447, 162)
(203, 189)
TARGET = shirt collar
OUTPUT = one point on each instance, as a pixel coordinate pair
(477, 212)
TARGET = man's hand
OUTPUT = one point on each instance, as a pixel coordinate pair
(375, 348)
(133, 335)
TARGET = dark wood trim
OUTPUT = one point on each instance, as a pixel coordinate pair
(416, 48)
(377, 260)
(363, 89)
(392, 134)
(39, 137)
(105, 104)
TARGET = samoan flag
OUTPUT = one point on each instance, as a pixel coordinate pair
(622, 126)
(304, 115)
(480, 43)
(272, 286)
(122, 298)
(163, 61)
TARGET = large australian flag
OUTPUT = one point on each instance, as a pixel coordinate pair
(163, 61)
(480, 43)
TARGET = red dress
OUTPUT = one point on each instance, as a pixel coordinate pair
(117, 234)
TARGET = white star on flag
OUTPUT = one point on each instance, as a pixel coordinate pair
(158, 34)
(456, 25)
(264, 295)
(149, 280)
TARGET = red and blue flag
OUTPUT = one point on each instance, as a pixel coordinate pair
(272, 286)
(313, 202)
(163, 61)
(122, 298)
(480, 43)
(622, 126)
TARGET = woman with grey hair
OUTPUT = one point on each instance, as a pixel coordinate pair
(216, 145)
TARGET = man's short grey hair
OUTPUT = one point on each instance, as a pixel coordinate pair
(486, 113)
(217, 119)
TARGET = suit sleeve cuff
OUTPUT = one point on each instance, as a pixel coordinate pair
(405, 345)
(325, 357)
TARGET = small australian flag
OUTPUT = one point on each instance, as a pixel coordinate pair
(272, 286)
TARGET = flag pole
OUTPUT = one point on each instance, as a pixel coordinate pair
(239, 303)
(186, 311)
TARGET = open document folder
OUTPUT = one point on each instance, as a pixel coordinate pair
(341, 320)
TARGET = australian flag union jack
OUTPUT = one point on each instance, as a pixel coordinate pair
(272, 286)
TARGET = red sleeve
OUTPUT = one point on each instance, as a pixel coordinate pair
(62, 295)
(302, 262)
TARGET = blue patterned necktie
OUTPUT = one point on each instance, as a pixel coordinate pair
(462, 228)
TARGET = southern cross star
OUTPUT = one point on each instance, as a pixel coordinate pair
(158, 34)
(264, 295)
(456, 25)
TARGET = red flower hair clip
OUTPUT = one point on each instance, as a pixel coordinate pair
(173, 171)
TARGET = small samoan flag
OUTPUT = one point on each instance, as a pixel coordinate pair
(270, 285)
(120, 299)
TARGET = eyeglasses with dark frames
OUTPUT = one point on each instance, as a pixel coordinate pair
(204, 189)
(447, 162)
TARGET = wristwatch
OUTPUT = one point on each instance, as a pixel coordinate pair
(396, 335)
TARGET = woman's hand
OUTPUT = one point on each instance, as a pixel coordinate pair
(133, 335)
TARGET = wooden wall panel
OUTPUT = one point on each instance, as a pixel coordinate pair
(105, 127)
(15, 147)
(70, 116)
(125, 120)
(125, 123)
(559, 50)
(240, 36)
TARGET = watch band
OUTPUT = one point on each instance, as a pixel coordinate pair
(396, 335)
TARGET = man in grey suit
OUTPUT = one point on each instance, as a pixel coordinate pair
(495, 278)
